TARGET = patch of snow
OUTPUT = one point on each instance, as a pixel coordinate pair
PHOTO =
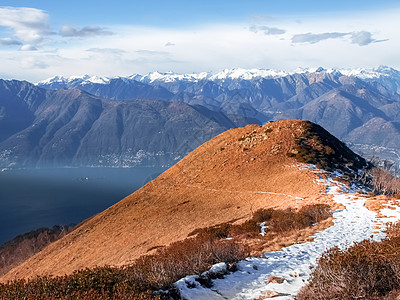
(55, 79)
(247, 74)
(96, 79)
(393, 211)
(352, 224)
(216, 268)
(84, 79)
(169, 77)
(263, 228)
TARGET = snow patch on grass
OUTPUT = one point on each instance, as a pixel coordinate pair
(294, 263)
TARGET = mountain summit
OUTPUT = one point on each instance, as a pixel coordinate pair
(224, 180)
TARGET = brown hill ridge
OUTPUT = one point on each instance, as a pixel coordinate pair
(225, 179)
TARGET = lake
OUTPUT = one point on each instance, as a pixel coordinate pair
(34, 198)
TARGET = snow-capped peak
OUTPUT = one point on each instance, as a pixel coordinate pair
(97, 79)
(227, 74)
(84, 79)
(247, 74)
(381, 71)
(54, 79)
(169, 77)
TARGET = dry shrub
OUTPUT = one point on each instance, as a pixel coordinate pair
(216, 232)
(393, 230)
(138, 281)
(367, 270)
(249, 228)
(277, 220)
(316, 212)
(168, 264)
(289, 219)
(263, 214)
(191, 256)
(99, 283)
(319, 147)
(385, 183)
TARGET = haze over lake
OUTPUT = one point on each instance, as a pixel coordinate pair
(34, 198)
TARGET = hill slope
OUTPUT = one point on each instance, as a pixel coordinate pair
(224, 180)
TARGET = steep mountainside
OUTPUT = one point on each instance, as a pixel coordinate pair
(223, 180)
(342, 101)
(71, 127)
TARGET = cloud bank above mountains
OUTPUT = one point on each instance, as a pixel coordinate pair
(32, 48)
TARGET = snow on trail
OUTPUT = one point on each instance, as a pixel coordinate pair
(352, 224)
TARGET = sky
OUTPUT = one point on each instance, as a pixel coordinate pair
(42, 38)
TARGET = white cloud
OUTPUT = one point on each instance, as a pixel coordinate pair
(31, 62)
(28, 47)
(27, 24)
(151, 52)
(361, 38)
(9, 42)
(267, 30)
(107, 51)
(313, 38)
(213, 47)
(87, 31)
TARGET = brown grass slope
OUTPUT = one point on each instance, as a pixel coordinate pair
(225, 179)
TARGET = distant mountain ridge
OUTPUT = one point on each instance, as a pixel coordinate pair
(178, 112)
(236, 73)
(71, 127)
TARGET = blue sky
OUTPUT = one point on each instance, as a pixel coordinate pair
(43, 38)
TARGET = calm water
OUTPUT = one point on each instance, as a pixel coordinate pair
(30, 199)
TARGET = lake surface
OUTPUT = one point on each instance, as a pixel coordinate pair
(34, 198)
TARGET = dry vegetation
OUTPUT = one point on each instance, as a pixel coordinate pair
(367, 270)
(137, 281)
(276, 221)
(151, 273)
(238, 181)
(319, 147)
(24, 246)
(385, 183)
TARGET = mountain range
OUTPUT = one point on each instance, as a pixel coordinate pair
(158, 118)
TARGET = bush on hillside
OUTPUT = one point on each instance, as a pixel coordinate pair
(138, 281)
(160, 270)
(385, 183)
(277, 220)
(367, 270)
